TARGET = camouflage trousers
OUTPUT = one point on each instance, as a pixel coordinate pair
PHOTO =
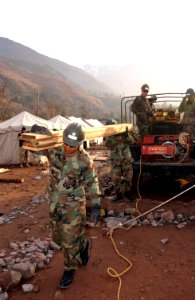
(122, 177)
(67, 224)
(190, 128)
(143, 129)
(24, 156)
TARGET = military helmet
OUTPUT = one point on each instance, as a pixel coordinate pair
(73, 135)
(111, 122)
(190, 91)
(145, 87)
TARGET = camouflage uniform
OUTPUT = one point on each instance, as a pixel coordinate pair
(24, 154)
(121, 161)
(188, 107)
(69, 176)
(143, 110)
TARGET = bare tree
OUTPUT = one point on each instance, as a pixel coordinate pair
(5, 102)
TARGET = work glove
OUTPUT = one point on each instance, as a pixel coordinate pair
(95, 213)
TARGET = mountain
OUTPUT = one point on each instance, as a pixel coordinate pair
(47, 86)
(125, 80)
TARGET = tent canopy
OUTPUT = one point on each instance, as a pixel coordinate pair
(9, 145)
(24, 119)
(60, 122)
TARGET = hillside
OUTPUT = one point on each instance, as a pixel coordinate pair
(47, 86)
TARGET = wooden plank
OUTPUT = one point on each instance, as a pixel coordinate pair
(36, 136)
(14, 180)
(107, 130)
(2, 170)
(31, 148)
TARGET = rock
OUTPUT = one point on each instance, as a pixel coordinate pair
(167, 215)
(16, 277)
(4, 296)
(2, 262)
(27, 287)
(181, 225)
(114, 222)
(146, 222)
(154, 223)
(27, 269)
(13, 246)
(2, 254)
(54, 246)
(9, 279)
(150, 216)
(164, 241)
(111, 213)
(32, 248)
(192, 218)
(2, 221)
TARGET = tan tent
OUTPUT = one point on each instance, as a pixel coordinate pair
(9, 146)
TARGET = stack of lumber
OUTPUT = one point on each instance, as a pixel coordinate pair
(38, 142)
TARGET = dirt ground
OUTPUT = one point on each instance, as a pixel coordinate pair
(159, 271)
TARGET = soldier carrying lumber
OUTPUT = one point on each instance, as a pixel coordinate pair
(121, 163)
(24, 154)
(71, 172)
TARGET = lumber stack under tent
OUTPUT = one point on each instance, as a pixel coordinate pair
(38, 142)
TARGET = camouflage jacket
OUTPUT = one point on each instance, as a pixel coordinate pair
(70, 176)
(119, 146)
(188, 107)
(143, 109)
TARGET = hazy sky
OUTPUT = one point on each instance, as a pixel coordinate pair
(156, 33)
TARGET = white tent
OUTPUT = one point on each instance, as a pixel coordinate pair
(94, 123)
(80, 121)
(60, 122)
(9, 145)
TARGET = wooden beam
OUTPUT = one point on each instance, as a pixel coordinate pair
(38, 142)
(14, 180)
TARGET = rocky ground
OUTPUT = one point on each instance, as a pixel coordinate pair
(160, 245)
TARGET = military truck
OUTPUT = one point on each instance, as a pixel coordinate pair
(167, 150)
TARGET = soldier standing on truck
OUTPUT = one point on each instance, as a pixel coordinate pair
(143, 109)
(188, 107)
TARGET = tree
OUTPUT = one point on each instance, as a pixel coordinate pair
(5, 103)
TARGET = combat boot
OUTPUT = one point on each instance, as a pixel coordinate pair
(130, 196)
(66, 279)
(108, 191)
(118, 197)
(85, 254)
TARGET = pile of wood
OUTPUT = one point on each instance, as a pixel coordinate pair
(38, 142)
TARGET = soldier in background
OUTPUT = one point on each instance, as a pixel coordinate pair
(71, 172)
(188, 107)
(121, 163)
(143, 109)
(24, 154)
